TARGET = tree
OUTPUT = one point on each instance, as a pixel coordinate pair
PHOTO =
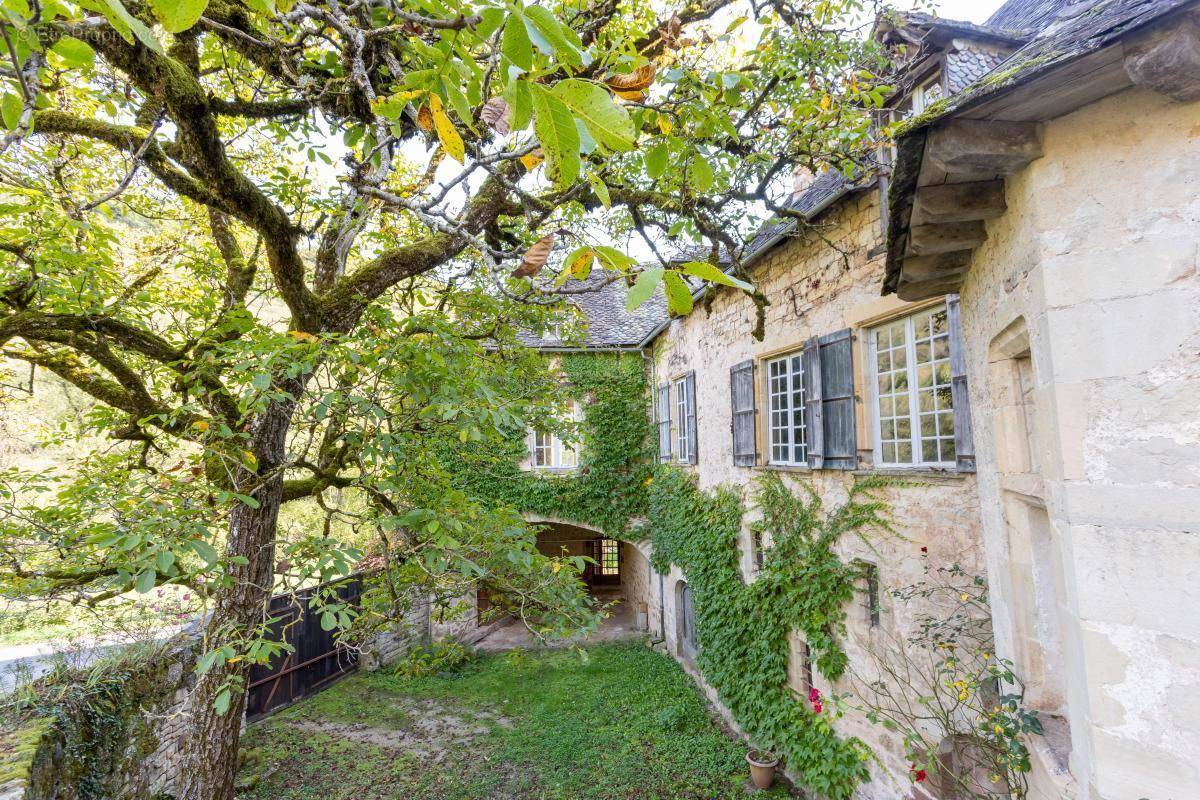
(273, 241)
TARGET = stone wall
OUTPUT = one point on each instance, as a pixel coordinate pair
(115, 737)
(818, 285)
(1083, 318)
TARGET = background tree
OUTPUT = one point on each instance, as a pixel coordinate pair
(271, 239)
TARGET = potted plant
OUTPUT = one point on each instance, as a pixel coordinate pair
(762, 767)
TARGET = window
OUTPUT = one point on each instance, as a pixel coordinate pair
(685, 423)
(663, 415)
(550, 452)
(923, 95)
(757, 544)
(610, 557)
(914, 410)
(785, 411)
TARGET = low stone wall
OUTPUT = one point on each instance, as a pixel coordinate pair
(390, 646)
(112, 735)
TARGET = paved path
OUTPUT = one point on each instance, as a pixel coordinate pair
(514, 634)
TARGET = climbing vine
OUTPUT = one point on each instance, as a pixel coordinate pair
(609, 487)
(743, 629)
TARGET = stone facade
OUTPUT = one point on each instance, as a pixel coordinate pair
(1082, 312)
(818, 284)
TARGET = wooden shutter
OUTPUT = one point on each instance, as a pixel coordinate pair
(814, 414)
(829, 401)
(964, 442)
(689, 381)
(742, 421)
(662, 411)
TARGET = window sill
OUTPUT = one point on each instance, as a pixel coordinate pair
(786, 467)
(923, 474)
(555, 470)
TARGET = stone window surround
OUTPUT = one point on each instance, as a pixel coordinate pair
(792, 376)
(557, 449)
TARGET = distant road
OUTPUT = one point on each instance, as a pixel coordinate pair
(27, 661)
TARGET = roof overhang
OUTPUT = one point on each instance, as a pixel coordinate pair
(948, 176)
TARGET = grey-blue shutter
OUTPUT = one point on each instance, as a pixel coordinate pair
(690, 382)
(664, 422)
(964, 442)
(829, 418)
(813, 413)
(742, 414)
(838, 435)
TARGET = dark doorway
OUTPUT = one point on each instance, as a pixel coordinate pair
(685, 608)
(607, 569)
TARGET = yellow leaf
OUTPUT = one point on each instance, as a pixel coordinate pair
(200, 425)
(555, 567)
(446, 132)
(303, 336)
(424, 119)
(250, 460)
(635, 95)
(581, 262)
(826, 101)
(664, 124)
(531, 160)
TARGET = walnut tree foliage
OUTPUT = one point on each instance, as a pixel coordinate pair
(287, 249)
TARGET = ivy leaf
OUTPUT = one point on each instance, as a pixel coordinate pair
(707, 272)
(555, 130)
(75, 52)
(679, 296)
(608, 123)
(178, 15)
(643, 287)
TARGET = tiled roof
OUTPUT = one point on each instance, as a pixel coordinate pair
(1028, 15)
(601, 301)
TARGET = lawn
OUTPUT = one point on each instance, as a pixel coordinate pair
(619, 722)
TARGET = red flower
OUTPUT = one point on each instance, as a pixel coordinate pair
(917, 775)
(920, 775)
(924, 549)
(817, 708)
(814, 695)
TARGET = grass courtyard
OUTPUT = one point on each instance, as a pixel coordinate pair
(621, 722)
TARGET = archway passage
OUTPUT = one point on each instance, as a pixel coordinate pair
(617, 574)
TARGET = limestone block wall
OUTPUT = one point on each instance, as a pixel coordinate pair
(818, 285)
(1082, 312)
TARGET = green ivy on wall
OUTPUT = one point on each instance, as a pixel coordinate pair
(609, 488)
(743, 628)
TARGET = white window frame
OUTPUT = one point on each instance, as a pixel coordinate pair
(562, 457)
(794, 378)
(681, 411)
(913, 391)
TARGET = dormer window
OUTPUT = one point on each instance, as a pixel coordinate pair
(923, 95)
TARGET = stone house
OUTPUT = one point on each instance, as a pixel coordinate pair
(1006, 317)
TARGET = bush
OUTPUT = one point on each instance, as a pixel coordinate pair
(438, 658)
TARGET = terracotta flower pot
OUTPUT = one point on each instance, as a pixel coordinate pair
(762, 767)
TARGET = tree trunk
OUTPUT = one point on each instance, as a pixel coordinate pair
(210, 752)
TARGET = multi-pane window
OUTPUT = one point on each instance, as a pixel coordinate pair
(785, 410)
(610, 557)
(914, 413)
(682, 432)
(551, 452)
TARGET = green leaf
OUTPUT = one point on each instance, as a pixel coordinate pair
(178, 15)
(565, 42)
(679, 296)
(520, 105)
(515, 44)
(328, 621)
(11, 108)
(608, 123)
(657, 160)
(164, 560)
(701, 174)
(643, 287)
(129, 26)
(205, 550)
(221, 703)
(75, 52)
(555, 130)
(707, 272)
(614, 258)
(600, 188)
(145, 581)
